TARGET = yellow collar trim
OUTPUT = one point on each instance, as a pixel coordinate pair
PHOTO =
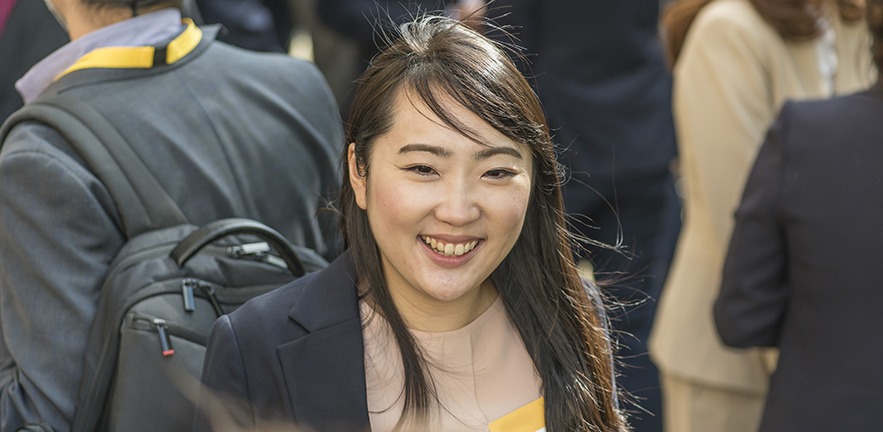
(528, 418)
(141, 57)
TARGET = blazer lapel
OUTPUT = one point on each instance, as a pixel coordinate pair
(325, 369)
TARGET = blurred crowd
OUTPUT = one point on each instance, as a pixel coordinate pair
(659, 111)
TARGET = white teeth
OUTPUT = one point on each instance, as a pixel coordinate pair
(450, 249)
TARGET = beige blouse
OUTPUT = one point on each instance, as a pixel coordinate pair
(481, 372)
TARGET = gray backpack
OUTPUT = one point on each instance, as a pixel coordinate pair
(165, 288)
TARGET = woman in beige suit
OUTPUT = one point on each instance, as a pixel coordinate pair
(735, 63)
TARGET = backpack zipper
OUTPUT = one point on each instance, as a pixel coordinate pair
(165, 342)
(260, 251)
(165, 330)
(187, 292)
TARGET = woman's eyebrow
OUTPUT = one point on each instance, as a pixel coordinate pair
(447, 154)
(491, 151)
(436, 150)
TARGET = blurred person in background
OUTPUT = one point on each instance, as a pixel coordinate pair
(260, 25)
(803, 269)
(735, 63)
(363, 24)
(600, 72)
(28, 32)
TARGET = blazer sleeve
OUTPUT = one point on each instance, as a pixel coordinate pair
(223, 397)
(754, 294)
(723, 105)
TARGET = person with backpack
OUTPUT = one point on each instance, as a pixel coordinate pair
(225, 132)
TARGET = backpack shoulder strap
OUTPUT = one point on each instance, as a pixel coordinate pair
(141, 201)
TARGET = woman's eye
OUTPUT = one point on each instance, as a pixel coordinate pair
(499, 174)
(421, 170)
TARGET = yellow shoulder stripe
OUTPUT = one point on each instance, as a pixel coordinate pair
(140, 57)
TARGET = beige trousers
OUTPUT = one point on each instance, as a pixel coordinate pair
(689, 406)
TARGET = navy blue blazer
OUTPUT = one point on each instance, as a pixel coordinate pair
(305, 335)
(803, 269)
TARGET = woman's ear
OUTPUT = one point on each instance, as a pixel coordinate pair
(357, 178)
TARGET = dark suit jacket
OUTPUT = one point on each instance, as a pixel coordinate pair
(601, 74)
(803, 270)
(295, 354)
(365, 21)
(260, 25)
(362, 22)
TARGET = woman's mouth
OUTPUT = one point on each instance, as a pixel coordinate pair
(449, 249)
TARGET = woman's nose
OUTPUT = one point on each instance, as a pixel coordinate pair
(458, 205)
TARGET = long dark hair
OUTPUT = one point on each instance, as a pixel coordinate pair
(435, 58)
(793, 19)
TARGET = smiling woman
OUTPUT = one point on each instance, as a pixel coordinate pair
(457, 305)
(460, 194)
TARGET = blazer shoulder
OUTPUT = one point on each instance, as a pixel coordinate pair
(835, 107)
(829, 125)
(267, 314)
(835, 115)
(730, 34)
(314, 301)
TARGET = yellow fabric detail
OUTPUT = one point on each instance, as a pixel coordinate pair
(138, 57)
(182, 45)
(529, 418)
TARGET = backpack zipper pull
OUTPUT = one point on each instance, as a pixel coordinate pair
(212, 298)
(258, 251)
(165, 341)
(187, 294)
(255, 250)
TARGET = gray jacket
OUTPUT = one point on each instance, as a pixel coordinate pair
(227, 132)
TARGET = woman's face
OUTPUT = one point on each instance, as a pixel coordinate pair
(444, 210)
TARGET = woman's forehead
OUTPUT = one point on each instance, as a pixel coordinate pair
(413, 118)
